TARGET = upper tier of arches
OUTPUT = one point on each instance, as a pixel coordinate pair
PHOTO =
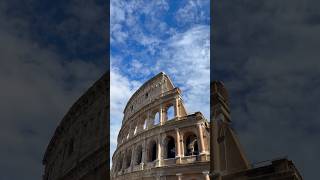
(148, 92)
(155, 102)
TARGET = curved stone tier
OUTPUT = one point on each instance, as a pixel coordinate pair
(158, 139)
(79, 146)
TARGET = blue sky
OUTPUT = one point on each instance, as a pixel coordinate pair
(51, 52)
(148, 37)
(266, 52)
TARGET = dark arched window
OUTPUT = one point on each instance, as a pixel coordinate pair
(153, 151)
(128, 159)
(191, 143)
(145, 124)
(170, 148)
(139, 155)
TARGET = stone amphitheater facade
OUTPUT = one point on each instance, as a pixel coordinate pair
(79, 148)
(159, 139)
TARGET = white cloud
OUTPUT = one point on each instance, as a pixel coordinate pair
(125, 20)
(183, 56)
(187, 60)
(193, 12)
(121, 89)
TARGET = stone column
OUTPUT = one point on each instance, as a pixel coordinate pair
(178, 144)
(161, 118)
(132, 157)
(124, 162)
(182, 145)
(140, 124)
(130, 132)
(144, 154)
(206, 175)
(200, 133)
(149, 124)
(179, 175)
(164, 115)
(159, 152)
(176, 107)
(178, 147)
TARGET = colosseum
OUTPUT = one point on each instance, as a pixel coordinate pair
(79, 148)
(158, 138)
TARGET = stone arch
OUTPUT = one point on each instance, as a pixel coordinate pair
(156, 118)
(170, 147)
(138, 155)
(191, 144)
(128, 135)
(145, 123)
(135, 130)
(170, 112)
(152, 151)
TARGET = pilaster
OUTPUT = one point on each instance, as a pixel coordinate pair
(178, 147)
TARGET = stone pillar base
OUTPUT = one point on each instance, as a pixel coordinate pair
(158, 163)
(179, 175)
(204, 156)
(178, 160)
(142, 166)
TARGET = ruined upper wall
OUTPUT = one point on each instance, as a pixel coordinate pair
(81, 132)
(148, 92)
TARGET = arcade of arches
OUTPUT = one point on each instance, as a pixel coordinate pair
(158, 138)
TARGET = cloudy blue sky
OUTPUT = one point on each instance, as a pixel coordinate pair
(267, 54)
(50, 53)
(148, 37)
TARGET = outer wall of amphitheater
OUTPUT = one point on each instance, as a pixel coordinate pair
(158, 139)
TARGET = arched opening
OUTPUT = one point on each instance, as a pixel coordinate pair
(135, 130)
(191, 145)
(170, 148)
(128, 159)
(139, 155)
(156, 119)
(170, 113)
(145, 124)
(153, 151)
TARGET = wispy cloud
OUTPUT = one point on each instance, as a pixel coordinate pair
(157, 41)
(267, 55)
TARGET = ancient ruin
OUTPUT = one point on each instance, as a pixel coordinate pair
(158, 139)
(79, 148)
(227, 160)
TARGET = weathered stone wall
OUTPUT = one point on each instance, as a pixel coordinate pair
(148, 92)
(80, 137)
(156, 144)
